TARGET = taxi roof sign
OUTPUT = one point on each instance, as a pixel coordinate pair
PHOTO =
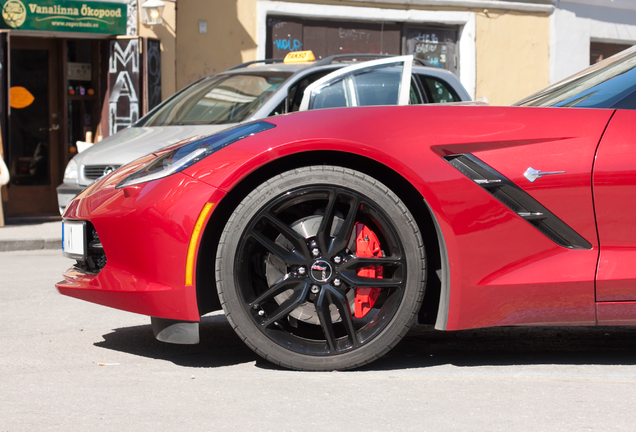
(299, 56)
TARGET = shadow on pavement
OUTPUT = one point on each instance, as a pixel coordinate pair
(219, 345)
(422, 347)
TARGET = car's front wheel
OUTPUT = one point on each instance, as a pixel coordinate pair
(321, 268)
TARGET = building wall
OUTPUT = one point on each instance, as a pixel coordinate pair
(167, 34)
(513, 53)
(576, 23)
(230, 37)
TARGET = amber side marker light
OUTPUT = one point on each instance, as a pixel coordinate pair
(194, 239)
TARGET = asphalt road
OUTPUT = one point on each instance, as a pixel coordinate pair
(514, 379)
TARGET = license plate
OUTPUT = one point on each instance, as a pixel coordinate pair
(74, 239)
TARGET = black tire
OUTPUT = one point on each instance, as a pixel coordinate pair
(261, 242)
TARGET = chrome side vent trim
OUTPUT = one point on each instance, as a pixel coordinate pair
(517, 200)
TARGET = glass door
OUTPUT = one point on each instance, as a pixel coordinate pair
(33, 126)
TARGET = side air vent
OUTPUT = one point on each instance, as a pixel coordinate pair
(513, 197)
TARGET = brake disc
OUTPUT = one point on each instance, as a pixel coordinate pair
(275, 269)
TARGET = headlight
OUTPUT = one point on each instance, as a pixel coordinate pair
(190, 153)
(71, 172)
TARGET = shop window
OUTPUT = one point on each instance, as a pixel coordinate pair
(327, 38)
(437, 46)
(82, 91)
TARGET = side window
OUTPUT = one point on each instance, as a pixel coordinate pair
(331, 96)
(438, 91)
(296, 91)
(386, 81)
(367, 87)
(415, 95)
(280, 109)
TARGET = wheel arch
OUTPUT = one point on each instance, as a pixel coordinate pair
(207, 296)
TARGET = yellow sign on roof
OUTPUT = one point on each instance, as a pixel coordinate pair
(299, 56)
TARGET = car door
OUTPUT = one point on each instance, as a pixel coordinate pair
(377, 82)
(614, 186)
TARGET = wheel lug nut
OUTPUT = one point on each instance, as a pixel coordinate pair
(337, 259)
(315, 289)
(337, 282)
(302, 270)
(315, 252)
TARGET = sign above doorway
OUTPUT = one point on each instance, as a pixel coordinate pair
(64, 16)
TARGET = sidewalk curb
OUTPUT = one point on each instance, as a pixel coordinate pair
(30, 244)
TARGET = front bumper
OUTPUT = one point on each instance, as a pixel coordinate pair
(145, 231)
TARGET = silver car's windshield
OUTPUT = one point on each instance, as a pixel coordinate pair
(217, 100)
(608, 84)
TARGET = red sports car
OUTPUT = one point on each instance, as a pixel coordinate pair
(325, 235)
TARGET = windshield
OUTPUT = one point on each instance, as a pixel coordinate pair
(608, 84)
(217, 100)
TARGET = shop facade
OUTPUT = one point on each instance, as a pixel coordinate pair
(499, 50)
(71, 71)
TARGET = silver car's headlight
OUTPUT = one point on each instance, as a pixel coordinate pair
(190, 153)
(71, 173)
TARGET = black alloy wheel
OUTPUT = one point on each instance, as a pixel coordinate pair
(288, 269)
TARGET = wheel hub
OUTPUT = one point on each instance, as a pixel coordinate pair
(321, 270)
(275, 269)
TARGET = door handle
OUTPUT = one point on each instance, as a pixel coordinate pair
(53, 127)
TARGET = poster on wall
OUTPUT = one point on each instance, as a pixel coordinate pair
(65, 16)
(124, 84)
(134, 80)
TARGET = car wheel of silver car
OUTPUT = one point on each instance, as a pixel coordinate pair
(321, 268)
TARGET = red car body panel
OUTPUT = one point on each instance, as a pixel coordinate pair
(503, 271)
(496, 279)
(146, 236)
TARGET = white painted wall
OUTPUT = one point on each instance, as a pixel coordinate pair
(467, 73)
(576, 23)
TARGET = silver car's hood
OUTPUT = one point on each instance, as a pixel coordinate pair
(133, 142)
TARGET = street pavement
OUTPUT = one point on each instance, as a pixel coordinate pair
(68, 365)
(25, 235)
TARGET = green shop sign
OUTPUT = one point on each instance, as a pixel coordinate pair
(64, 15)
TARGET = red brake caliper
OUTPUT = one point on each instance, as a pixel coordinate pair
(367, 246)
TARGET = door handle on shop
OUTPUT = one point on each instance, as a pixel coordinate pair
(53, 127)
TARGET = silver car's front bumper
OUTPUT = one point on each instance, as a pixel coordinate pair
(65, 194)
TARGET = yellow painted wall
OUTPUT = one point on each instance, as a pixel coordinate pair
(230, 37)
(512, 53)
(165, 32)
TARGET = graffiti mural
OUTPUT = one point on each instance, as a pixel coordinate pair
(131, 24)
(124, 84)
(153, 71)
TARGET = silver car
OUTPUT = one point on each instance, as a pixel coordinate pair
(257, 90)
